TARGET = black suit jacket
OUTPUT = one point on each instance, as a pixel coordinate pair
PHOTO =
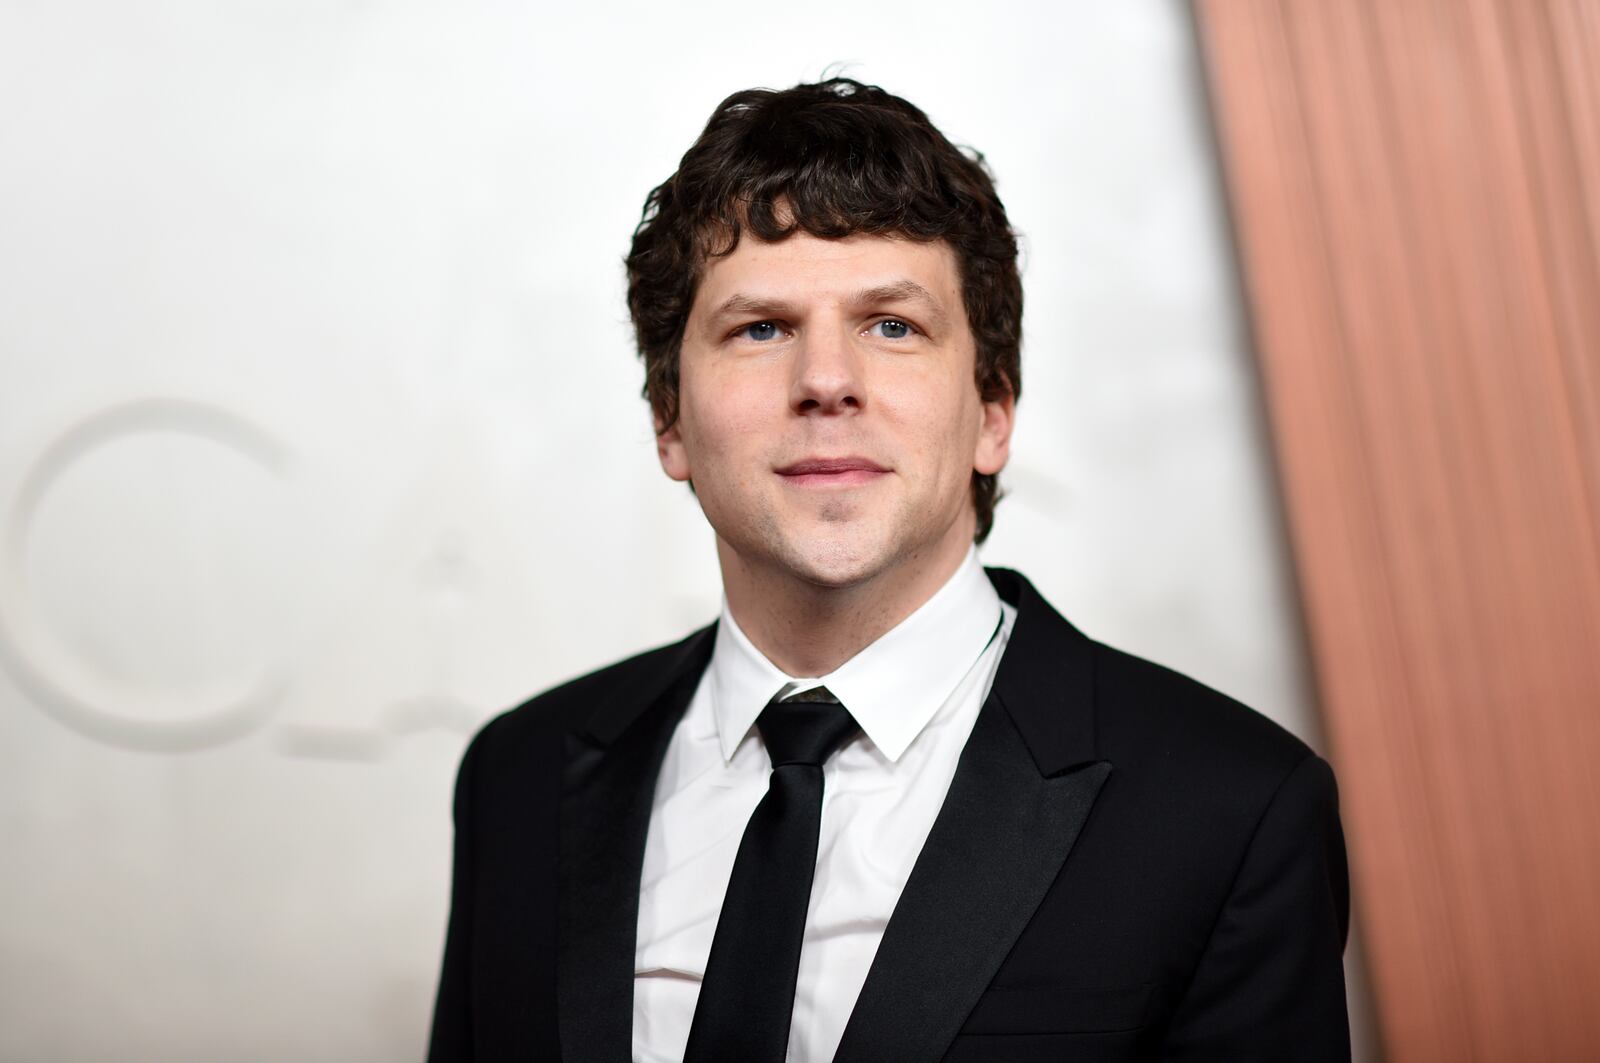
(1128, 865)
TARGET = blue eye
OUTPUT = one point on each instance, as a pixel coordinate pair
(761, 330)
(892, 329)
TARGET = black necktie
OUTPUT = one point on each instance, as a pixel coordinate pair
(747, 996)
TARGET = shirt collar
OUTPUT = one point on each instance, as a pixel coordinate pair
(892, 687)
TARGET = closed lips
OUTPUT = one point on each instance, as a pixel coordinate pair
(830, 466)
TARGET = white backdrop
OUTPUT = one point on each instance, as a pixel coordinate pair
(320, 442)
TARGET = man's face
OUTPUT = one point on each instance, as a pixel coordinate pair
(828, 412)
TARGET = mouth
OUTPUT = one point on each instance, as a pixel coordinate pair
(831, 472)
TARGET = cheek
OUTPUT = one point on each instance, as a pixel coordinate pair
(723, 419)
(939, 424)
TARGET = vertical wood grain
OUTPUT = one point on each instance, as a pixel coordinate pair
(1416, 191)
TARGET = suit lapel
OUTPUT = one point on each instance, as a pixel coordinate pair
(1022, 791)
(608, 781)
(1021, 794)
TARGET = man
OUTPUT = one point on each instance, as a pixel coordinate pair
(889, 807)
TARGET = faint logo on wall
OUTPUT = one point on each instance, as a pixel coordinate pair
(59, 685)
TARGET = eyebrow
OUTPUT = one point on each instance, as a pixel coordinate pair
(902, 291)
(740, 305)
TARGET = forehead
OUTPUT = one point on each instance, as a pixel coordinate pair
(808, 269)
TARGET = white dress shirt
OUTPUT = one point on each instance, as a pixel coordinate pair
(916, 693)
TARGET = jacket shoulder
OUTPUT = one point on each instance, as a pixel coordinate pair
(568, 705)
(1199, 774)
(1151, 714)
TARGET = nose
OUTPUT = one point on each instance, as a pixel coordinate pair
(827, 373)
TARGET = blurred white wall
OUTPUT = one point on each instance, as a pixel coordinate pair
(320, 442)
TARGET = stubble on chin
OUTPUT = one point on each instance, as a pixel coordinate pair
(836, 548)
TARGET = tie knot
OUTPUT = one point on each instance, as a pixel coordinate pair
(805, 728)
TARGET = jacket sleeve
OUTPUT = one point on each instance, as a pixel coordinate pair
(451, 1041)
(1270, 983)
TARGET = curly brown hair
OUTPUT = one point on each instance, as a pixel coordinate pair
(830, 159)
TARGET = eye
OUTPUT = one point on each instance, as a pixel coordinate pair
(759, 331)
(893, 329)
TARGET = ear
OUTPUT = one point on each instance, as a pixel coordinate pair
(994, 435)
(669, 448)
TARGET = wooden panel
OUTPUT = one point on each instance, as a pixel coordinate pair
(1416, 191)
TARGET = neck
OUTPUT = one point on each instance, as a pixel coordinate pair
(810, 629)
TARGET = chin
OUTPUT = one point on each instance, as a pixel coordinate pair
(837, 561)
(832, 550)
